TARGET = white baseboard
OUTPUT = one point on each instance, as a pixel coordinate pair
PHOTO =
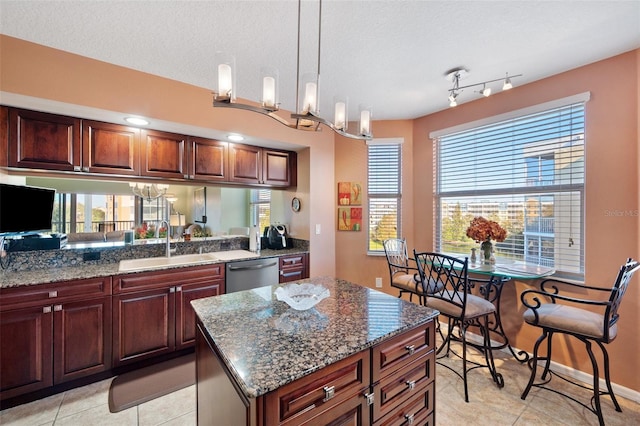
(581, 376)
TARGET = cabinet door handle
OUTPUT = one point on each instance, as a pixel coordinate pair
(179, 288)
(411, 349)
(77, 168)
(329, 392)
(172, 289)
(57, 308)
(53, 294)
(370, 398)
(46, 309)
(85, 169)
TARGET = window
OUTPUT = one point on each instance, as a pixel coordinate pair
(384, 191)
(260, 206)
(526, 173)
(74, 213)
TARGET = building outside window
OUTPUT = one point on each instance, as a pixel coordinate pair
(525, 172)
(384, 186)
(260, 206)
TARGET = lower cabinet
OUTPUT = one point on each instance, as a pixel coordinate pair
(152, 314)
(51, 334)
(294, 267)
(392, 383)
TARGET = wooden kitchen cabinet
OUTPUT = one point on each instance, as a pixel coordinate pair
(53, 333)
(151, 311)
(40, 140)
(255, 165)
(110, 148)
(390, 384)
(324, 396)
(4, 135)
(164, 155)
(294, 267)
(208, 159)
(403, 374)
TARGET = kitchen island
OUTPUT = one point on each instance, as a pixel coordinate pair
(358, 356)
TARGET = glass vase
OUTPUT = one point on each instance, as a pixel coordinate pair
(486, 247)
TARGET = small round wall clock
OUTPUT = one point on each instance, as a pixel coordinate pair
(295, 204)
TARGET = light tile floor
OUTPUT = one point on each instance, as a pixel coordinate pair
(487, 405)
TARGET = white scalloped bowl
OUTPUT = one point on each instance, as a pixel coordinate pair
(301, 296)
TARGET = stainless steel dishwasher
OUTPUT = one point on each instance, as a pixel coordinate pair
(248, 274)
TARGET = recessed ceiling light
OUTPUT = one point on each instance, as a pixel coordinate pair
(235, 138)
(137, 121)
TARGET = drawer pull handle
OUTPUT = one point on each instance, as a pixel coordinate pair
(370, 398)
(53, 294)
(411, 384)
(411, 349)
(57, 308)
(329, 392)
(409, 418)
(46, 309)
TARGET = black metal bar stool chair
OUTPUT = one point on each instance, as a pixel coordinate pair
(558, 313)
(447, 289)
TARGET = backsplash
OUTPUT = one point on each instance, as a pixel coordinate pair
(100, 254)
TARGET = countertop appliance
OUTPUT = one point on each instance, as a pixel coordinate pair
(276, 236)
(250, 274)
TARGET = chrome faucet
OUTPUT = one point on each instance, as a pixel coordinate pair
(169, 250)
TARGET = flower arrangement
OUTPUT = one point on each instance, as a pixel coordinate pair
(149, 231)
(482, 229)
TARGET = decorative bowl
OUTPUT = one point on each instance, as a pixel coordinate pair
(301, 296)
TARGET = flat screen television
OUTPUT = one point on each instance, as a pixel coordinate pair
(25, 209)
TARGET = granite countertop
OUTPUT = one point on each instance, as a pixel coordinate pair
(94, 270)
(266, 344)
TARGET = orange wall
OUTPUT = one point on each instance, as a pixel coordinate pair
(33, 70)
(612, 183)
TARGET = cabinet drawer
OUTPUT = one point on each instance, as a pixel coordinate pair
(405, 348)
(417, 410)
(166, 278)
(306, 398)
(20, 297)
(398, 387)
(292, 262)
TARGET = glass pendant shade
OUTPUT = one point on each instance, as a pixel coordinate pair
(341, 119)
(269, 88)
(365, 121)
(225, 77)
(309, 94)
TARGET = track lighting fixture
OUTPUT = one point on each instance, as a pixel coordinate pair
(307, 115)
(454, 75)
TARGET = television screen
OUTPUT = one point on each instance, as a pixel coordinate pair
(25, 209)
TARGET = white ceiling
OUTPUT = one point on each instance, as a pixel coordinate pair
(389, 54)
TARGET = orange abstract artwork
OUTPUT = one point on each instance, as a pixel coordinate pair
(349, 218)
(349, 194)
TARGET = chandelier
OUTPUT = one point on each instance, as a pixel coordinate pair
(307, 89)
(454, 75)
(148, 191)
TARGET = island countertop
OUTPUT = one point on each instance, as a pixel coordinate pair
(265, 344)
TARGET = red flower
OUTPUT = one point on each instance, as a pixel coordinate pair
(482, 229)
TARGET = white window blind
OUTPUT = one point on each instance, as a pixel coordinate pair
(384, 185)
(527, 174)
(260, 207)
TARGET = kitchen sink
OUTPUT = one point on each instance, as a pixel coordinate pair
(161, 262)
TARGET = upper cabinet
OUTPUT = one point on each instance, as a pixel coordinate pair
(110, 148)
(44, 141)
(208, 159)
(164, 154)
(262, 166)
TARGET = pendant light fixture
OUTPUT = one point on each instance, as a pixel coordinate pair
(307, 115)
